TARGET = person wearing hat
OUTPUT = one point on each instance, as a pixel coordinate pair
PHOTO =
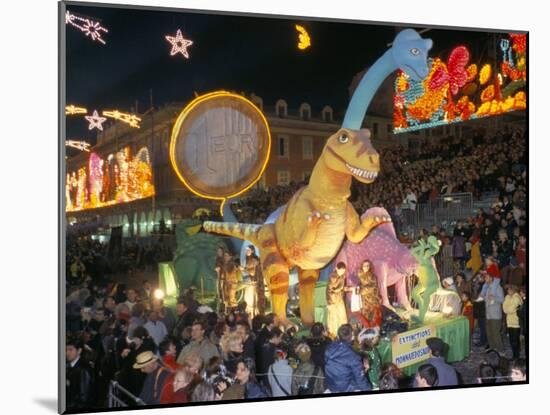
(308, 377)
(156, 377)
(449, 284)
(446, 374)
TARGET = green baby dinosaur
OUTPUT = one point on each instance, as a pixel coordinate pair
(428, 278)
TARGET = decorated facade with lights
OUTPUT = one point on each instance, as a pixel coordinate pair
(457, 90)
(118, 178)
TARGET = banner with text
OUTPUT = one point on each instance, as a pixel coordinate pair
(410, 347)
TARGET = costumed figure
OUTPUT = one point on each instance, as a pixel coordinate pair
(219, 286)
(368, 340)
(230, 276)
(254, 294)
(428, 278)
(336, 309)
(371, 309)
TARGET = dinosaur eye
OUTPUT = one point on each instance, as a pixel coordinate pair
(415, 51)
(344, 138)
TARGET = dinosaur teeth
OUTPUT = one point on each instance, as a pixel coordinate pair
(362, 173)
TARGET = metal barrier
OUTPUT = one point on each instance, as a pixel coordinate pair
(120, 397)
(443, 210)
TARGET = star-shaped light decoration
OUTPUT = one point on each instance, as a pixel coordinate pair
(179, 44)
(95, 121)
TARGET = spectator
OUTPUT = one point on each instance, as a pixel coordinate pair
(267, 356)
(493, 297)
(318, 342)
(308, 377)
(279, 374)
(446, 374)
(79, 377)
(518, 371)
(156, 377)
(232, 350)
(199, 344)
(511, 305)
(426, 376)
(247, 387)
(156, 328)
(167, 350)
(343, 366)
(175, 391)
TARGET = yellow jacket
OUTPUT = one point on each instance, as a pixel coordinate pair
(510, 307)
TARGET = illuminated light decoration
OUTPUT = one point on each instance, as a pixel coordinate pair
(472, 72)
(485, 74)
(106, 182)
(130, 119)
(304, 41)
(487, 92)
(79, 145)
(72, 110)
(89, 27)
(519, 43)
(179, 44)
(176, 131)
(429, 102)
(95, 121)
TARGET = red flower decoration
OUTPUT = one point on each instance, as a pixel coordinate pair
(456, 65)
(519, 42)
(455, 73)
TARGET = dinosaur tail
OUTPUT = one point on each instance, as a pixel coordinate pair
(244, 231)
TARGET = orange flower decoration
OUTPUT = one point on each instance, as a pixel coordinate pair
(488, 93)
(472, 72)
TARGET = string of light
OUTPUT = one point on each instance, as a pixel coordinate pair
(89, 27)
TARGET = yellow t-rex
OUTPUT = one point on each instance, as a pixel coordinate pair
(311, 228)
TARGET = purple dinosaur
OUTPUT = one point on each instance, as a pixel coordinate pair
(391, 260)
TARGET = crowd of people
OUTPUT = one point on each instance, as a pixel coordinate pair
(124, 333)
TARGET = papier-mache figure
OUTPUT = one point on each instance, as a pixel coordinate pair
(368, 340)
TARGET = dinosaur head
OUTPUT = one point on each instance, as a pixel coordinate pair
(425, 250)
(351, 152)
(410, 53)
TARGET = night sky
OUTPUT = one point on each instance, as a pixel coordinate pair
(241, 53)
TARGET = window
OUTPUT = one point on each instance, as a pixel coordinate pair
(305, 111)
(281, 108)
(327, 114)
(283, 177)
(283, 147)
(307, 148)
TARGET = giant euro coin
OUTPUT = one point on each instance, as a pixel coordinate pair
(220, 145)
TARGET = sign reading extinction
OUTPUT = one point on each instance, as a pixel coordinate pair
(410, 347)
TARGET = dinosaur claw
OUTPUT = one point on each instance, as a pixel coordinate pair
(377, 219)
(326, 216)
(318, 214)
